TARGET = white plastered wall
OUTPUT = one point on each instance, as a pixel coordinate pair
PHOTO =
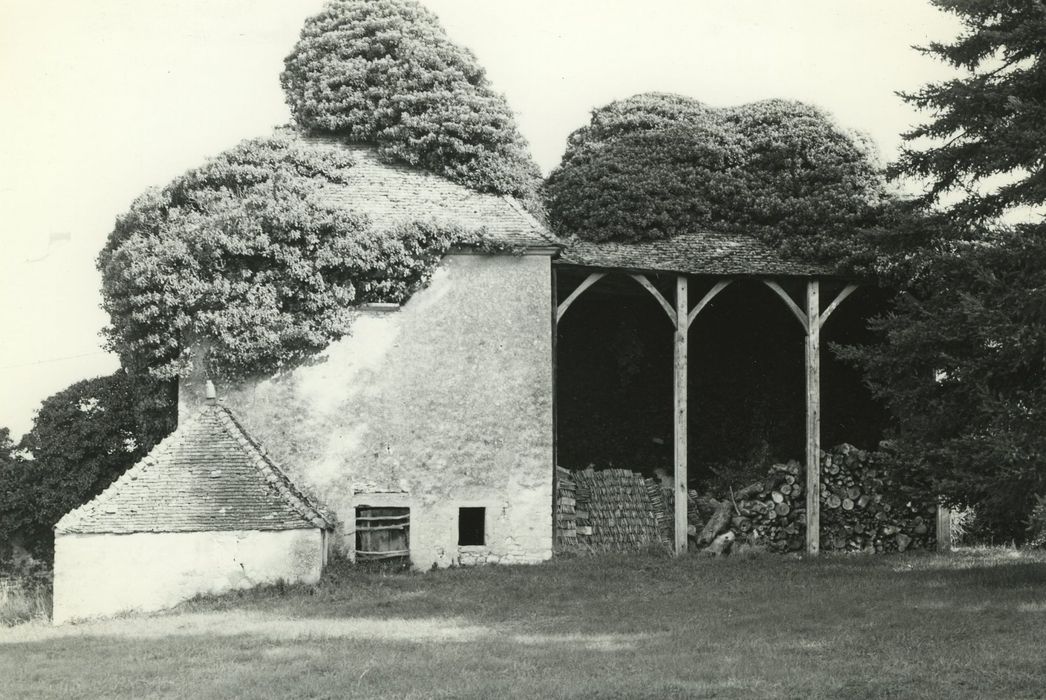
(98, 575)
(448, 400)
(516, 527)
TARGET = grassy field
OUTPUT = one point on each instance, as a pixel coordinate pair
(923, 626)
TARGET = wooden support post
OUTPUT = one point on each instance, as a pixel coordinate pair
(682, 319)
(944, 529)
(554, 279)
(813, 417)
(812, 320)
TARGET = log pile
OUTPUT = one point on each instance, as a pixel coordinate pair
(775, 516)
(614, 510)
(864, 509)
(698, 510)
(861, 508)
(566, 507)
(662, 515)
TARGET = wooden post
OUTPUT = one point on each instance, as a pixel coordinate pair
(813, 417)
(554, 279)
(682, 319)
(944, 529)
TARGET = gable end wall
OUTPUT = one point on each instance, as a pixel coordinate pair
(446, 403)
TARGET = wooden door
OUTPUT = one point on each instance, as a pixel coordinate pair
(382, 533)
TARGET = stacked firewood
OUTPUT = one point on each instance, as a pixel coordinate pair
(861, 508)
(615, 510)
(776, 516)
(566, 509)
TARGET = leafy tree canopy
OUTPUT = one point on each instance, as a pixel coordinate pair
(244, 257)
(987, 139)
(962, 367)
(82, 439)
(656, 165)
(384, 72)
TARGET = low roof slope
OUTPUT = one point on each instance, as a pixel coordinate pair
(207, 475)
(698, 253)
(392, 193)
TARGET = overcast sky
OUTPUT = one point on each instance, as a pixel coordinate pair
(103, 98)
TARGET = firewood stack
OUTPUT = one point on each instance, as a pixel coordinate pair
(776, 515)
(861, 508)
(662, 516)
(614, 511)
(698, 510)
(566, 507)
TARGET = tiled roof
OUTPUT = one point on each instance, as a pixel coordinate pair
(700, 252)
(207, 475)
(391, 193)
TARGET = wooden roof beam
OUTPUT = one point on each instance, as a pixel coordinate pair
(706, 299)
(649, 286)
(585, 284)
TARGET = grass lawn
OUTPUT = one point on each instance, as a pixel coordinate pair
(971, 624)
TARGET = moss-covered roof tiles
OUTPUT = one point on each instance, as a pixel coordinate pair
(207, 475)
(390, 193)
(697, 253)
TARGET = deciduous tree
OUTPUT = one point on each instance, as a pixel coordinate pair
(82, 439)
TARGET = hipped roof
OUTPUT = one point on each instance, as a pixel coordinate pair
(208, 475)
(392, 193)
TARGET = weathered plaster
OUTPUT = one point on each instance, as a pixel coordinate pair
(103, 574)
(442, 404)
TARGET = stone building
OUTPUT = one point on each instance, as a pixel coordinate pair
(204, 512)
(429, 430)
(433, 419)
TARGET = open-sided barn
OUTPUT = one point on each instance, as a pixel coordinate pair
(431, 430)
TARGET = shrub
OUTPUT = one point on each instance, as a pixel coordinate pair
(385, 72)
(656, 165)
(241, 256)
(25, 590)
(1037, 523)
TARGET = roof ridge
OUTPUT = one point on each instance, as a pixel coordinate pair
(268, 468)
(538, 227)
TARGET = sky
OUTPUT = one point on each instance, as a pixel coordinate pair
(100, 100)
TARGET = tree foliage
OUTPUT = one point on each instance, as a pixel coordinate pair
(82, 439)
(245, 257)
(385, 72)
(656, 165)
(961, 364)
(962, 367)
(986, 141)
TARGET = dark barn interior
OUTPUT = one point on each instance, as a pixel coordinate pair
(745, 384)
